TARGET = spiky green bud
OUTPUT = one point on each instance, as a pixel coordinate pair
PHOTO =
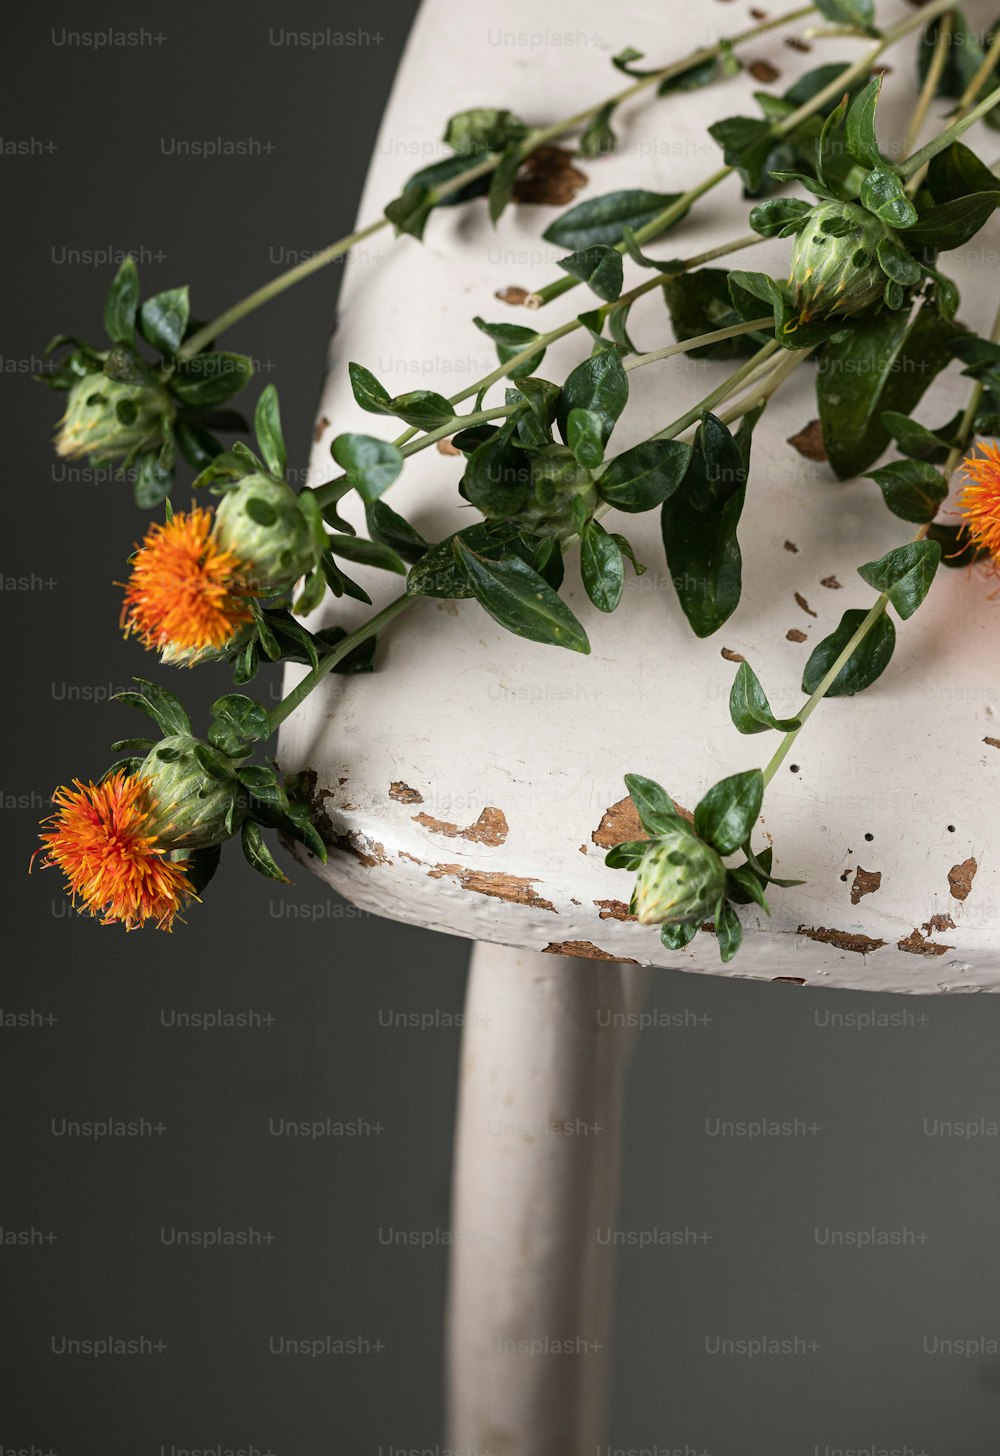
(108, 419)
(196, 798)
(835, 270)
(261, 523)
(680, 880)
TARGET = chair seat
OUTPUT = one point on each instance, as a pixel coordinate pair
(473, 782)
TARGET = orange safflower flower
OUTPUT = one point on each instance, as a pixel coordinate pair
(185, 589)
(979, 502)
(104, 843)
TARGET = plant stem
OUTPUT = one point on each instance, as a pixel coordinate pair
(637, 361)
(969, 95)
(535, 138)
(726, 388)
(949, 134)
(835, 88)
(326, 663)
(929, 89)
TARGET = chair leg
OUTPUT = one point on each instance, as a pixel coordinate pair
(535, 1179)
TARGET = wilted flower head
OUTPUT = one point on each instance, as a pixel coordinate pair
(103, 838)
(107, 419)
(680, 880)
(979, 501)
(187, 593)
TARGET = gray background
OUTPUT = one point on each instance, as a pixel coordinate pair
(868, 1372)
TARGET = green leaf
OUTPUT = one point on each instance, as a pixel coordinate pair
(957, 546)
(884, 364)
(209, 379)
(897, 263)
(522, 601)
(747, 143)
(963, 55)
(603, 219)
(916, 440)
(422, 408)
(154, 479)
(628, 855)
(905, 574)
(165, 710)
(600, 267)
(676, 937)
(502, 181)
(744, 886)
(602, 567)
(371, 465)
(859, 127)
(848, 12)
(883, 194)
(912, 489)
(700, 303)
(497, 474)
(656, 809)
(237, 722)
(121, 303)
(726, 816)
(599, 384)
(439, 574)
(367, 553)
(749, 708)
(510, 339)
(699, 524)
(952, 224)
(778, 217)
(267, 427)
(163, 319)
(644, 476)
(482, 129)
(729, 931)
(866, 663)
(409, 212)
(583, 436)
(257, 853)
(956, 172)
(391, 529)
(598, 137)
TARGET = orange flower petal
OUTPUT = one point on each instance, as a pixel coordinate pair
(979, 502)
(101, 841)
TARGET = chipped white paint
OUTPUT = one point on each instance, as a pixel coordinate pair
(471, 717)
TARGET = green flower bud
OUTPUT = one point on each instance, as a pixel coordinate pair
(261, 523)
(680, 880)
(108, 419)
(192, 806)
(835, 269)
(560, 488)
(173, 656)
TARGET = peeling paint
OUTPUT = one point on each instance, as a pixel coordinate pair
(916, 944)
(490, 828)
(366, 851)
(613, 910)
(586, 950)
(791, 980)
(403, 794)
(620, 822)
(513, 888)
(960, 879)
(938, 923)
(866, 882)
(842, 939)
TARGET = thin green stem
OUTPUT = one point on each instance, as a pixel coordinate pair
(535, 138)
(716, 396)
(326, 663)
(929, 89)
(718, 336)
(949, 134)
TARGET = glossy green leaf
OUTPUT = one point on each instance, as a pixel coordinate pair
(520, 600)
(883, 194)
(726, 816)
(676, 937)
(237, 722)
(848, 12)
(600, 267)
(602, 567)
(884, 364)
(163, 319)
(121, 303)
(747, 143)
(391, 529)
(367, 553)
(267, 427)
(905, 574)
(482, 129)
(510, 339)
(258, 855)
(602, 219)
(209, 379)
(599, 384)
(598, 137)
(165, 710)
(644, 476)
(154, 479)
(749, 708)
(371, 465)
(912, 489)
(867, 662)
(584, 437)
(501, 188)
(778, 216)
(859, 127)
(916, 440)
(699, 303)
(498, 474)
(657, 811)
